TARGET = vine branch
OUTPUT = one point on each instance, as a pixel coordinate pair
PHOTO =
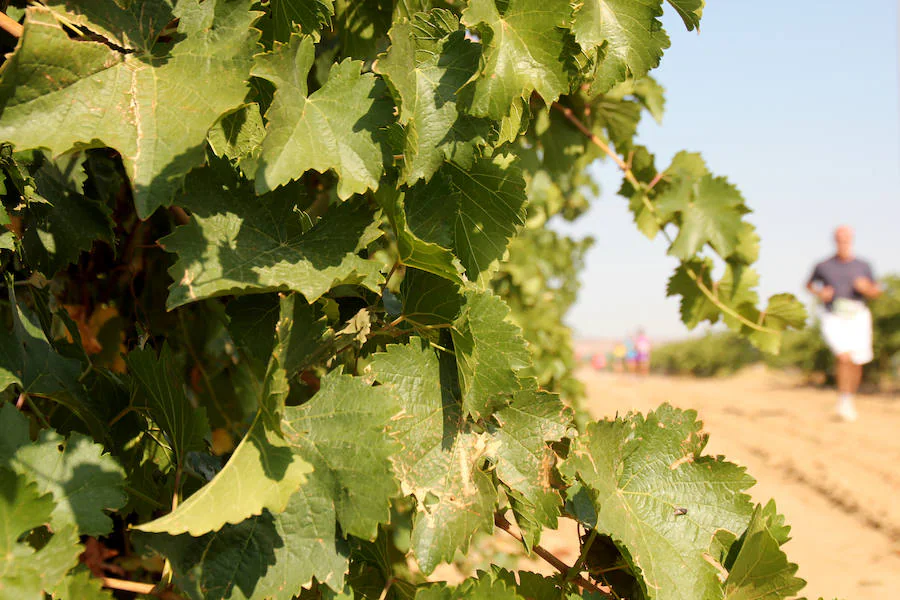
(7, 24)
(564, 569)
(633, 180)
(583, 556)
(138, 587)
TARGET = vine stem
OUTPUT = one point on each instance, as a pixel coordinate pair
(630, 177)
(501, 522)
(177, 493)
(387, 279)
(138, 587)
(583, 556)
(144, 497)
(387, 587)
(10, 26)
(168, 572)
(120, 416)
(37, 411)
(607, 570)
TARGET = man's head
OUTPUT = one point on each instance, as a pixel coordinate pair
(843, 241)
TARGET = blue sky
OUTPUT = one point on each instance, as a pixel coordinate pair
(796, 102)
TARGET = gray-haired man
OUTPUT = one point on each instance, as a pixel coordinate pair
(843, 283)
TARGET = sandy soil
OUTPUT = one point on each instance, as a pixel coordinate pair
(837, 483)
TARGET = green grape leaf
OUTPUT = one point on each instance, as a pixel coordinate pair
(539, 587)
(159, 385)
(737, 289)
(84, 481)
(414, 373)
(363, 26)
(440, 461)
(29, 360)
(79, 584)
(413, 251)
(336, 127)
(58, 232)
(524, 44)
(629, 36)
(302, 330)
(640, 472)
(678, 184)
(690, 11)
(747, 249)
(710, 215)
(58, 93)
(13, 430)
(525, 461)
(25, 574)
(561, 145)
(264, 557)
(133, 25)
(515, 123)
(473, 212)
(782, 311)
(251, 323)
(22, 507)
(695, 307)
(489, 352)
(238, 136)
(429, 299)
(644, 217)
(619, 118)
(651, 95)
(310, 15)
(7, 242)
(484, 587)
(262, 473)
(237, 242)
(342, 432)
(429, 60)
(761, 570)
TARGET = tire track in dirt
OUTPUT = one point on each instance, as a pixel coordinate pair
(840, 499)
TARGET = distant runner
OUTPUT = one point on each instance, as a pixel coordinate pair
(642, 345)
(843, 283)
(630, 356)
(619, 353)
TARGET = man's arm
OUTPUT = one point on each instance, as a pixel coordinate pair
(866, 285)
(817, 287)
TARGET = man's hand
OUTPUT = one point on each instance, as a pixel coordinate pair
(825, 293)
(866, 287)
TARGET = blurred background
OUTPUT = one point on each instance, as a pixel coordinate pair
(797, 104)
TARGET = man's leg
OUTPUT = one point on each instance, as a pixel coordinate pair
(856, 373)
(844, 373)
(848, 378)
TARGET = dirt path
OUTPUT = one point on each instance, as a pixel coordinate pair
(837, 483)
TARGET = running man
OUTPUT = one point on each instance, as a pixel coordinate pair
(843, 283)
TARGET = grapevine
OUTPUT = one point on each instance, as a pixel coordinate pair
(283, 313)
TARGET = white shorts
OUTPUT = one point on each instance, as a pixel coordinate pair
(849, 332)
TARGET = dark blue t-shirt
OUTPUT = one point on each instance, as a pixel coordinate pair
(840, 276)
